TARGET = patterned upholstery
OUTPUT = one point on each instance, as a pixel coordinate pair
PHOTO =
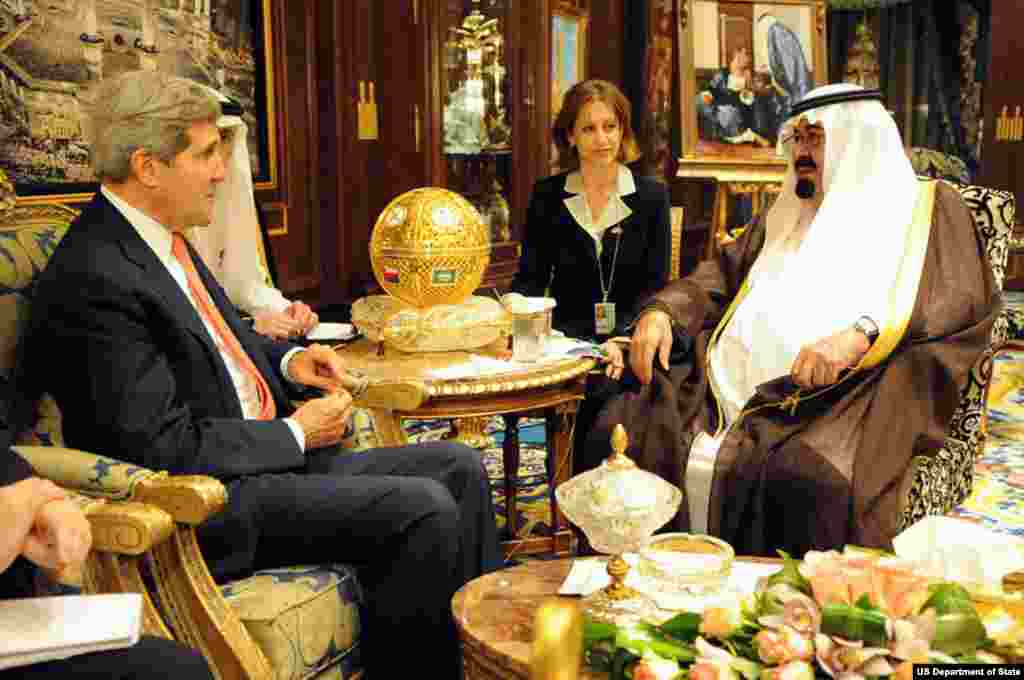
(942, 482)
(305, 619)
(938, 165)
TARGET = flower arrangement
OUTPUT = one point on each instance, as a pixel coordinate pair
(848, 616)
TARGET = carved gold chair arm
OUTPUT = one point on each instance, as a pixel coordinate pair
(189, 499)
(125, 527)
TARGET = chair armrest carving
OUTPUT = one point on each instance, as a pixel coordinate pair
(127, 528)
(190, 499)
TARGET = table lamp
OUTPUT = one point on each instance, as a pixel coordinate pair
(618, 506)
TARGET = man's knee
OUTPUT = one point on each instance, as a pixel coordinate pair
(427, 498)
(461, 460)
(803, 471)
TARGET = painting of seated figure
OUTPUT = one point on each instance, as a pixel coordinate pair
(743, 66)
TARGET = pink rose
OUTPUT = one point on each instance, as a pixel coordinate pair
(720, 622)
(701, 670)
(794, 670)
(780, 645)
(897, 589)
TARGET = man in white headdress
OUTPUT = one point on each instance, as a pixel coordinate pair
(230, 244)
(788, 383)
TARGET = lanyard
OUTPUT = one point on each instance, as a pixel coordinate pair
(606, 291)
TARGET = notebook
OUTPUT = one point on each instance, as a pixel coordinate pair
(39, 629)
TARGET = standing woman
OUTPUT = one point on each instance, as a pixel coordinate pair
(598, 236)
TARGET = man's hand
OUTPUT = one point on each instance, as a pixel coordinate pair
(19, 504)
(60, 537)
(317, 366)
(819, 364)
(616, 360)
(323, 420)
(653, 335)
(304, 317)
(279, 325)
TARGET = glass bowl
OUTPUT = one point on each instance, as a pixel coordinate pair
(691, 563)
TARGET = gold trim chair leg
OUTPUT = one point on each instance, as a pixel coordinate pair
(198, 613)
(111, 573)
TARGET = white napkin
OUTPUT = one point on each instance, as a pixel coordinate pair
(331, 331)
(961, 551)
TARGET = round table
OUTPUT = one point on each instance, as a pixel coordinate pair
(494, 614)
(469, 388)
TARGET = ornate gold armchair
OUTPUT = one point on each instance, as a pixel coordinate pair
(291, 623)
(942, 482)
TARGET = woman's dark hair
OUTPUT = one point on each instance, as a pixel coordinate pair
(578, 96)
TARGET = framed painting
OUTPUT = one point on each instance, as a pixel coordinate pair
(54, 52)
(568, 52)
(743, 64)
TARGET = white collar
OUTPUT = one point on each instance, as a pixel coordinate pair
(625, 183)
(157, 236)
(616, 211)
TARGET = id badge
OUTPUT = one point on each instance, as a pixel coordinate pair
(604, 317)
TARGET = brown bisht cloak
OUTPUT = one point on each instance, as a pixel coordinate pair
(831, 467)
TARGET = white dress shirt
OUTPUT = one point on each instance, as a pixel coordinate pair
(160, 240)
(614, 212)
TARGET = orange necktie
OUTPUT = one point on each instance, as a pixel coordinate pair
(213, 317)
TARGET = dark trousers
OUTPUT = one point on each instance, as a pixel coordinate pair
(151, 658)
(417, 522)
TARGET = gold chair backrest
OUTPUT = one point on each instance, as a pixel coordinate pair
(28, 236)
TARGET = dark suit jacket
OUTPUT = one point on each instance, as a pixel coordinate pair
(558, 250)
(136, 375)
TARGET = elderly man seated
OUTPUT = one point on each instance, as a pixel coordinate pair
(820, 351)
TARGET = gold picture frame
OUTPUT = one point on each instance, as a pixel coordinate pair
(743, 63)
(568, 52)
(227, 44)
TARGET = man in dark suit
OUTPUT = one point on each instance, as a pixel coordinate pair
(149, 363)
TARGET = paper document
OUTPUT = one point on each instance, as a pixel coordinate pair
(39, 629)
(331, 331)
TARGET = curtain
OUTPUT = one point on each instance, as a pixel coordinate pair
(932, 56)
(650, 45)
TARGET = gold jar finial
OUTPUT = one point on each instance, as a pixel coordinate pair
(620, 441)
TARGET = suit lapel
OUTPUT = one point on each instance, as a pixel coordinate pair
(163, 286)
(155, 274)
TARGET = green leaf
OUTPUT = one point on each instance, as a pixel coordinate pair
(854, 623)
(595, 631)
(959, 633)
(790, 575)
(623, 659)
(684, 626)
(949, 598)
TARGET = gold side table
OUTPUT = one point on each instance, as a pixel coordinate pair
(470, 387)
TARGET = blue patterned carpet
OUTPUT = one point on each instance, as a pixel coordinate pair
(997, 501)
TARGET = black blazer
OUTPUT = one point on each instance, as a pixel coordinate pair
(559, 253)
(136, 375)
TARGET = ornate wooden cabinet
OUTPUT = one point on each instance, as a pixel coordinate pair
(414, 93)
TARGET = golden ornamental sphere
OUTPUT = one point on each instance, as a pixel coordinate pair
(430, 247)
